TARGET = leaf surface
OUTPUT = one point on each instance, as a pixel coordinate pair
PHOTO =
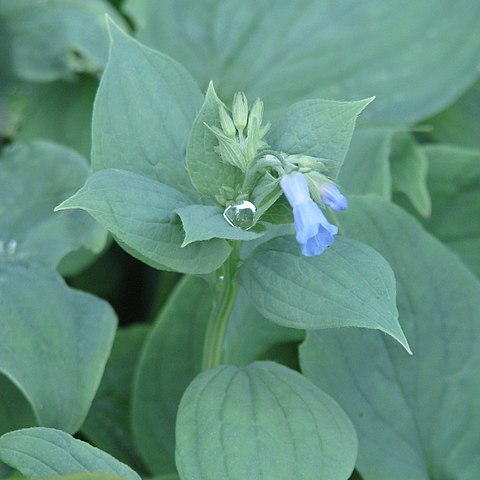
(261, 422)
(349, 285)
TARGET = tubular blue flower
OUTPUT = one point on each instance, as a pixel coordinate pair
(313, 231)
(331, 196)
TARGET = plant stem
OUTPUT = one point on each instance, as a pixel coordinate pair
(225, 295)
(336, 221)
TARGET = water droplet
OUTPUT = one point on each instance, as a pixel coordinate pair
(240, 214)
(221, 278)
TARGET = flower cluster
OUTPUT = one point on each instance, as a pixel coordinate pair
(304, 179)
(313, 231)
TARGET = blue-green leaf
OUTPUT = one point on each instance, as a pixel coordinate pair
(349, 285)
(140, 213)
(143, 113)
(44, 452)
(57, 39)
(416, 59)
(319, 128)
(261, 422)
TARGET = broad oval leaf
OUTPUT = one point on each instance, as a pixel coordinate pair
(44, 452)
(319, 128)
(56, 39)
(170, 359)
(261, 422)
(55, 342)
(416, 416)
(309, 49)
(140, 213)
(349, 285)
(144, 110)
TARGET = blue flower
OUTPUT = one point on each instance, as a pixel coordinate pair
(313, 232)
(331, 196)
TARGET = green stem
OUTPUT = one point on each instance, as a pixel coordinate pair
(225, 295)
(336, 221)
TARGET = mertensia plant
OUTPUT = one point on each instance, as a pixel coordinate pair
(278, 211)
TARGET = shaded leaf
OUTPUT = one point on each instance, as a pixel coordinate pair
(56, 39)
(55, 342)
(108, 422)
(454, 183)
(367, 167)
(34, 177)
(409, 172)
(170, 359)
(309, 49)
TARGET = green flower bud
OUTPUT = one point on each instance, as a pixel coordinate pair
(308, 162)
(226, 122)
(229, 149)
(256, 113)
(240, 111)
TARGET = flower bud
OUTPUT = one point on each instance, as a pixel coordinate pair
(226, 122)
(256, 113)
(240, 110)
(331, 196)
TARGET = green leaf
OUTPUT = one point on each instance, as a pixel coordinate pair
(261, 422)
(140, 213)
(250, 337)
(319, 128)
(207, 170)
(34, 178)
(367, 167)
(310, 49)
(108, 422)
(56, 39)
(349, 285)
(171, 358)
(85, 476)
(143, 112)
(55, 342)
(454, 183)
(44, 452)
(15, 411)
(204, 222)
(459, 122)
(58, 111)
(416, 416)
(409, 172)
